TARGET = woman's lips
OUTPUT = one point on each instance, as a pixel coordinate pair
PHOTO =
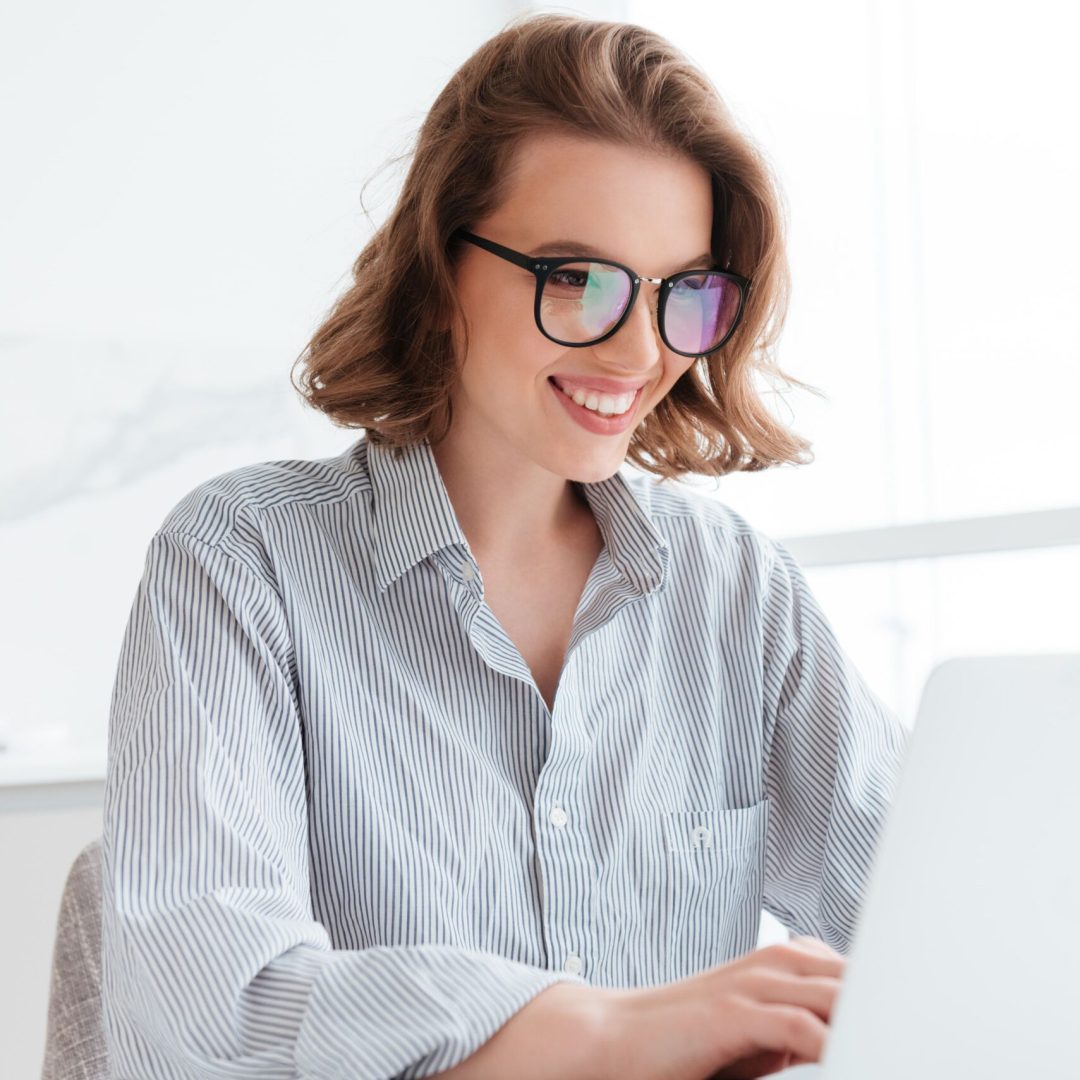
(593, 421)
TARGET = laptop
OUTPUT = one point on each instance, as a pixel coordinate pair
(966, 957)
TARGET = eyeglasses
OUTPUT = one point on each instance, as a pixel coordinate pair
(583, 301)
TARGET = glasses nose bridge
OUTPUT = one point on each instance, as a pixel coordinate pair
(652, 310)
(655, 308)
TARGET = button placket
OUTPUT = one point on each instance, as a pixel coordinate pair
(560, 937)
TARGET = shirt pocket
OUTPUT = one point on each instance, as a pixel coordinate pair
(715, 862)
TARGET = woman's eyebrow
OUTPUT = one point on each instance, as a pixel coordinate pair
(579, 247)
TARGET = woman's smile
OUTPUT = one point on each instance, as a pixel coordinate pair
(595, 421)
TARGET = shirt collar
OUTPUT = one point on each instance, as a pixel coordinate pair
(414, 518)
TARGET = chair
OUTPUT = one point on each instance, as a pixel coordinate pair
(75, 1046)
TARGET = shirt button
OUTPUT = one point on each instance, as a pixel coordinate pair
(572, 964)
(702, 837)
(558, 817)
(468, 573)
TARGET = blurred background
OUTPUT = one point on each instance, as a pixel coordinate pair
(185, 188)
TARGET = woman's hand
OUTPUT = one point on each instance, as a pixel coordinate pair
(755, 1016)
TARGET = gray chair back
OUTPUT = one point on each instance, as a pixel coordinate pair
(75, 1037)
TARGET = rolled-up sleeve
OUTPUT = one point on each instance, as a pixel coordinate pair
(833, 753)
(213, 964)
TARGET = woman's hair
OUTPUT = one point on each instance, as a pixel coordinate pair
(384, 358)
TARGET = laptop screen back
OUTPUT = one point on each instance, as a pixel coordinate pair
(966, 960)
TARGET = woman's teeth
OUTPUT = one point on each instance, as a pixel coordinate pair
(604, 404)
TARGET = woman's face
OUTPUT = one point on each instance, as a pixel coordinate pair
(651, 212)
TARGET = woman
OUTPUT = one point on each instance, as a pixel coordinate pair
(462, 752)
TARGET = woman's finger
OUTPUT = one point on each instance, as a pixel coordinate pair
(815, 992)
(786, 1029)
(801, 956)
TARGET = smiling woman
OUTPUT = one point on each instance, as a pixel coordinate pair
(462, 750)
(589, 144)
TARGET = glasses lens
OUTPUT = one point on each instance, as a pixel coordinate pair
(582, 301)
(699, 312)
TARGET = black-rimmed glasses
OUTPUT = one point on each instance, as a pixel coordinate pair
(583, 301)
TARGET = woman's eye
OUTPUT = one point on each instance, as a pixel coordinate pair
(575, 279)
(702, 281)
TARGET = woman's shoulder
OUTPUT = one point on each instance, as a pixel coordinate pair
(719, 548)
(689, 514)
(216, 508)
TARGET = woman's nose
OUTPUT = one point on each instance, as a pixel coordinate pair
(638, 339)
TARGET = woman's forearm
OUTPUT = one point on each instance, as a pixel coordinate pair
(559, 1035)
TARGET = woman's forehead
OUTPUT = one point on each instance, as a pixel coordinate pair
(607, 200)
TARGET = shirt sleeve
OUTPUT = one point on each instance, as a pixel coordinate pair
(833, 753)
(212, 962)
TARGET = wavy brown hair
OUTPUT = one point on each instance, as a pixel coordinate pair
(384, 360)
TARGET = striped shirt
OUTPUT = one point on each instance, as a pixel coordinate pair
(344, 835)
